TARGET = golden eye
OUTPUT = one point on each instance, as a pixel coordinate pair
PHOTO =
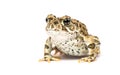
(66, 21)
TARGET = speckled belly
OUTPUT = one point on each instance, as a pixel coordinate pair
(72, 47)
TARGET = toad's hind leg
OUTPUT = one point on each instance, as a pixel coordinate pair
(94, 49)
(47, 52)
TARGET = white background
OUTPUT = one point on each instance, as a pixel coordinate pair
(22, 36)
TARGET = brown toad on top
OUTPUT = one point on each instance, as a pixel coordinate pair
(69, 36)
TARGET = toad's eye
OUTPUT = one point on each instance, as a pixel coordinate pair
(49, 19)
(66, 21)
(46, 19)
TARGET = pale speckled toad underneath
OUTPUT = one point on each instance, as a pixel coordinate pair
(69, 36)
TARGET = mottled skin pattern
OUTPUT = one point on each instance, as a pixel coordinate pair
(69, 36)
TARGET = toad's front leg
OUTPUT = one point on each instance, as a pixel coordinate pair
(47, 52)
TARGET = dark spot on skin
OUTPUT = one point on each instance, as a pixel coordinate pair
(46, 53)
(84, 28)
(77, 40)
(81, 38)
(85, 33)
(78, 49)
(99, 43)
(80, 25)
(78, 52)
(81, 32)
(46, 46)
(82, 47)
(91, 55)
(54, 16)
(63, 28)
(52, 26)
(50, 18)
(92, 46)
(45, 57)
(86, 48)
(72, 50)
(66, 42)
(96, 41)
(72, 44)
(56, 22)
